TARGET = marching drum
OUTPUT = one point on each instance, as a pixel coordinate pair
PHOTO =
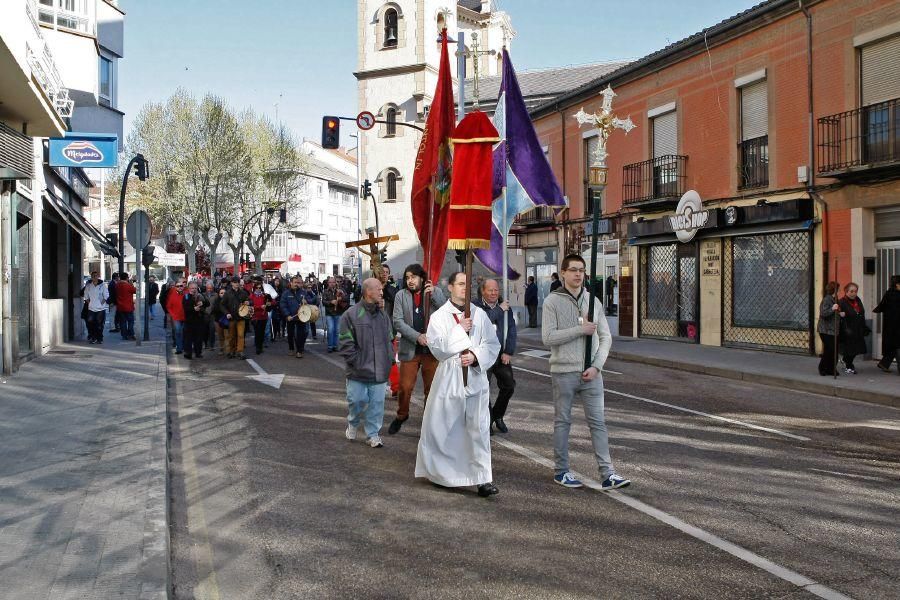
(245, 311)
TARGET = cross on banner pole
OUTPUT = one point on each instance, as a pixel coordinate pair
(605, 122)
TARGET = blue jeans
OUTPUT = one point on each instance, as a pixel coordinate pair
(333, 324)
(126, 324)
(366, 399)
(566, 386)
(178, 332)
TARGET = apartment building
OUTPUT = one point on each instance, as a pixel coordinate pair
(764, 164)
(58, 74)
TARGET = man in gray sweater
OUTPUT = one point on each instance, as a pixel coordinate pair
(565, 329)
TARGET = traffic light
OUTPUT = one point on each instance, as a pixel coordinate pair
(366, 190)
(282, 215)
(331, 132)
(142, 167)
(147, 256)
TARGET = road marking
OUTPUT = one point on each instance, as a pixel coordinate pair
(690, 410)
(852, 476)
(743, 554)
(272, 380)
(208, 587)
(534, 353)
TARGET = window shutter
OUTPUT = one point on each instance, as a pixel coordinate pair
(665, 134)
(887, 225)
(880, 66)
(590, 149)
(754, 111)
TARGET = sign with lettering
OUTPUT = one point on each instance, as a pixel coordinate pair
(710, 259)
(88, 150)
(689, 217)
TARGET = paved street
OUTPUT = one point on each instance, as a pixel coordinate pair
(740, 490)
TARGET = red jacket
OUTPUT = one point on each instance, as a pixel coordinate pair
(258, 302)
(125, 292)
(174, 305)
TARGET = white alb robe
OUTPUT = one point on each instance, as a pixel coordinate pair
(455, 444)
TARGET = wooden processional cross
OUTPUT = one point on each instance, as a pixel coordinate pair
(374, 250)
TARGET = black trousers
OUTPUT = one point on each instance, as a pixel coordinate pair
(507, 385)
(297, 331)
(96, 321)
(259, 333)
(194, 334)
(277, 317)
(888, 354)
(828, 363)
(532, 315)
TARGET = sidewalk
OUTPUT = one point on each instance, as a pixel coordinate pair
(789, 371)
(83, 480)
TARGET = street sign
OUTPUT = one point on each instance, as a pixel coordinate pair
(170, 259)
(365, 120)
(93, 150)
(137, 229)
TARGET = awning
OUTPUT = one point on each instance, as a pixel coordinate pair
(761, 229)
(76, 221)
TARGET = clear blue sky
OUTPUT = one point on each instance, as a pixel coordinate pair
(301, 54)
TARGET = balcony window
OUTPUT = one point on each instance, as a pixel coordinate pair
(657, 180)
(665, 144)
(754, 147)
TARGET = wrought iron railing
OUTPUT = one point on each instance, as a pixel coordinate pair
(754, 156)
(536, 216)
(44, 69)
(661, 178)
(868, 136)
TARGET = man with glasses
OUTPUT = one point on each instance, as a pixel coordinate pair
(566, 329)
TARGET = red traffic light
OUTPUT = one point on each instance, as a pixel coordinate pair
(331, 132)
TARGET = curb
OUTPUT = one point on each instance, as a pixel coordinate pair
(759, 378)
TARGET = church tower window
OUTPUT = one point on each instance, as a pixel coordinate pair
(391, 118)
(391, 185)
(391, 29)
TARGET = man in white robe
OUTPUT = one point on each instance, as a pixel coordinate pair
(455, 447)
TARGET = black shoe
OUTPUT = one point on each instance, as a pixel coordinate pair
(396, 424)
(188, 356)
(501, 426)
(884, 368)
(258, 351)
(487, 489)
(178, 352)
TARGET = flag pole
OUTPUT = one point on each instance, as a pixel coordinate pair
(467, 310)
(505, 274)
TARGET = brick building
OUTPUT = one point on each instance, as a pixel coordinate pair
(785, 122)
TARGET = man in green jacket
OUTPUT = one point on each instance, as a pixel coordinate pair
(566, 330)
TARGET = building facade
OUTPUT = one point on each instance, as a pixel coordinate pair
(57, 74)
(764, 164)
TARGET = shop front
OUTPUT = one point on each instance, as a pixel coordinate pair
(736, 275)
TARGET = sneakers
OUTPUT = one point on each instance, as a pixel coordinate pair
(567, 480)
(299, 355)
(374, 441)
(849, 371)
(614, 482)
(350, 434)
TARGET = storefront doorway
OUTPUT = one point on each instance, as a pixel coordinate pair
(887, 265)
(669, 287)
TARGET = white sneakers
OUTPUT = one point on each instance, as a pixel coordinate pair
(374, 441)
(350, 433)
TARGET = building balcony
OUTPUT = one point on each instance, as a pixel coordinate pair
(539, 215)
(754, 155)
(44, 70)
(76, 15)
(656, 182)
(860, 142)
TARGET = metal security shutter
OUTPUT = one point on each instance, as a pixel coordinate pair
(887, 225)
(754, 111)
(880, 71)
(665, 135)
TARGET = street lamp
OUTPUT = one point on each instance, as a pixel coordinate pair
(605, 122)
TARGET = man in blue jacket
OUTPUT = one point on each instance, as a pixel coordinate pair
(496, 308)
(531, 302)
(289, 304)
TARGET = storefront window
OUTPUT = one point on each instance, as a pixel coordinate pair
(771, 281)
(537, 256)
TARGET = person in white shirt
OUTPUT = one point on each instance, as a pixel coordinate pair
(96, 295)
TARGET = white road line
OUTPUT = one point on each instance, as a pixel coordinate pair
(743, 554)
(690, 410)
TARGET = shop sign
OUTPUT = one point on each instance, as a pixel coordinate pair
(84, 150)
(711, 259)
(689, 217)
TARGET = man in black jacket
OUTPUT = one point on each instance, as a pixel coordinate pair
(496, 308)
(531, 302)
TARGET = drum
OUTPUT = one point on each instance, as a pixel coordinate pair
(305, 313)
(314, 313)
(245, 311)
